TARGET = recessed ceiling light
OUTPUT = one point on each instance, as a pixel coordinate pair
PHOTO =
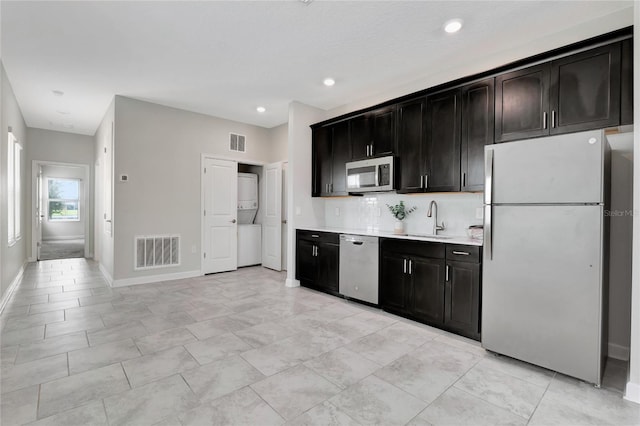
(261, 109)
(63, 112)
(453, 25)
(57, 92)
(329, 82)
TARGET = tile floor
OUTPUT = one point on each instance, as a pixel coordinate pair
(239, 348)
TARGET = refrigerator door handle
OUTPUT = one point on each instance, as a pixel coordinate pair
(488, 177)
(488, 232)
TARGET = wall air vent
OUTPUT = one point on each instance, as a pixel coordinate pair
(237, 142)
(156, 251)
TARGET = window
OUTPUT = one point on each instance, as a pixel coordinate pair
(14, 190)
(64, 199)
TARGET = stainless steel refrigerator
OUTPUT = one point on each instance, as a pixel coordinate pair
(545, 266)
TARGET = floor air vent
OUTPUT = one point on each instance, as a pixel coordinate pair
(237, 142)
(157, 251)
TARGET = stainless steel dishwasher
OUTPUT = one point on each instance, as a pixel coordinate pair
(359, 267)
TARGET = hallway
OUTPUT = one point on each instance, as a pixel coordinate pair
(241, 348)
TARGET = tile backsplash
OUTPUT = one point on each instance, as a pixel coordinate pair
(370, 212)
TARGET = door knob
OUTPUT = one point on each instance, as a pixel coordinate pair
(233, 221)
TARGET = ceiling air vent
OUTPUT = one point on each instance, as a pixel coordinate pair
(237, 142)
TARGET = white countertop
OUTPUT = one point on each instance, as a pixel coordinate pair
(449, 239)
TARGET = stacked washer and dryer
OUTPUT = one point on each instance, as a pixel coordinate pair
(249, 233)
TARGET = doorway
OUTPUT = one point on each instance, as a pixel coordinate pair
(236, 231)
(60, 210)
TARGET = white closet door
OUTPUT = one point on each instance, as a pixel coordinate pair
(272, 226)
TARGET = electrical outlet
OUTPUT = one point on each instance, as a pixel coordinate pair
(337, 211)
(479, 213)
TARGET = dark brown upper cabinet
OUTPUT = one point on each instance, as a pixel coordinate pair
(522, 104)
(585, 90)
(373, 134)
(411, 145)
(571, 94)
(442, 150)
(331, 150)
(477, 131)
(626, 84)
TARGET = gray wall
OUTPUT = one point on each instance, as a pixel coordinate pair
(160, 149)
(279, 137)
(61, 147)
(11, 258)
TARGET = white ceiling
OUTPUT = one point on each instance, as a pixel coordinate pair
(224, 58)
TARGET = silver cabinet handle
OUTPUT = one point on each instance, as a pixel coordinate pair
(313, 250)
(371, 150)
(405, 266)
(464, 179)
(463, 253)
(315, 236)
(331, 187)
(553, 119)
(544, 120)
(446, 274)
(421, 181)
(410, 263)
(426, 181)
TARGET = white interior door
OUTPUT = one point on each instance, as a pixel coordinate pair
(39, 212)
(284, 215)
(272, 226)
(220, 251)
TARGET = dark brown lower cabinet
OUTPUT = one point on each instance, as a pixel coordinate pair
(462, 298)
(317, 260)
(433, 283)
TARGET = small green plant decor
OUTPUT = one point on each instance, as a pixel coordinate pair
(400, 212)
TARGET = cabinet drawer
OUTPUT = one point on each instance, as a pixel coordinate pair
(462, 253)
(414, 248)
(322, 237)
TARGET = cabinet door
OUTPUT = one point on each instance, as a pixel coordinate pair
(394, 285)
(522, 104)
(443, 142)
(341, 151)
(585, 90)
(427, 277)
(306, 262)
(477, 131)
(360, 136)
(462, 298)
(411, 143)
(383, 131)
(322, 161)
(328, 267)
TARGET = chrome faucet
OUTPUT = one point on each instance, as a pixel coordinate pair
(433, 207)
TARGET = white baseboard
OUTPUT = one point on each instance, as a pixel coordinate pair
(155, 278)
(106, 274)
(618, 352)
(632, 392)
(7, 294)
(292, 283)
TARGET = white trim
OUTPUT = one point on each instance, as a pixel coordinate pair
(632, 392)
(7, 294)
(292, 283)
(155, 278)
(618, 352)
(107, 276)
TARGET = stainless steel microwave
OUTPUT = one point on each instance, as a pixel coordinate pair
(372, 175)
